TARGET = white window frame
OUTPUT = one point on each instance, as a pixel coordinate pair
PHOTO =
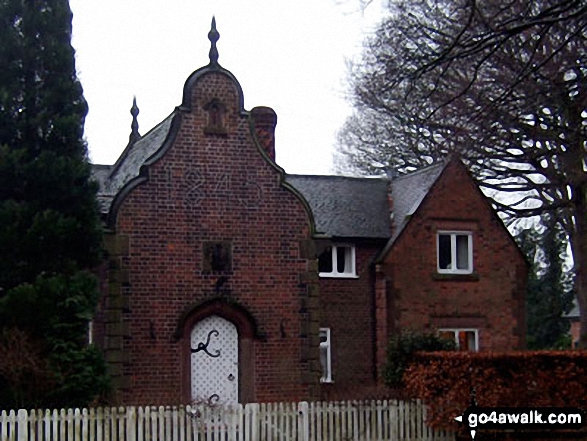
(453, 251)
(334, 273)
(456, 331)
(327, 347)
(90, 332)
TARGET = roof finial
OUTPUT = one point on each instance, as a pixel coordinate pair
(213, 36)
(134, 126)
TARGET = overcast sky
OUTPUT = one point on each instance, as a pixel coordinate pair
(288, 55)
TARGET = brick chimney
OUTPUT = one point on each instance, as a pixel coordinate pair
(265, 120)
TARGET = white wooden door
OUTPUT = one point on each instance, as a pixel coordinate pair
(214, 363)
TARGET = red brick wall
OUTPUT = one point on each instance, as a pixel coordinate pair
(213, 187)
(347, 308)
(492, 299)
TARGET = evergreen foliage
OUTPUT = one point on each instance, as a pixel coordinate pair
(550, 285)
(402, 348)
(50, 232)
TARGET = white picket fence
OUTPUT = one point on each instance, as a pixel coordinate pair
(323, 421)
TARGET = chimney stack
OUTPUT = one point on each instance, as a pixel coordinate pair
(265, 120)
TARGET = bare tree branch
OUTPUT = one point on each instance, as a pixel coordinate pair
(501, 83)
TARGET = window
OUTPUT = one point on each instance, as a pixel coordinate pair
(90, 338)
(465, 339)
(455, 252)
(325, 355)
(337, 261)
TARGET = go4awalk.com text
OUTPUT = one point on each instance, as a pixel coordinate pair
(536, 419)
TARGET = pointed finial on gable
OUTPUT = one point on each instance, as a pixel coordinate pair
(213, 36)
(134, 127)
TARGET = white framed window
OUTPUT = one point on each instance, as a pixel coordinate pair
(90, 337)
(466, 339)
(325, 355)
(454, 252)
(337, 261)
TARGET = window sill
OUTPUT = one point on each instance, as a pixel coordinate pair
(455, 277)
(337, 276)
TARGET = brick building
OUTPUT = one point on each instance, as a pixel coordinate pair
(228, 279)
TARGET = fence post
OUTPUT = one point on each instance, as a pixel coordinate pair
(21, 424)
(131, 423)
(253, 418)
(303, 421)
(161, 420)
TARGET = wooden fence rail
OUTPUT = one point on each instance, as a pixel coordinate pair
(322, 421)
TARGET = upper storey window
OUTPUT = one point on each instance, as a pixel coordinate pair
(337, 261)
(455, 252)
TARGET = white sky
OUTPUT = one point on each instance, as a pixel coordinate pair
(288, 55)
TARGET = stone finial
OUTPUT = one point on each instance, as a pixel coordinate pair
(213, 36)
(134, 127)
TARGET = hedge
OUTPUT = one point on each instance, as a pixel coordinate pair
(448, 381)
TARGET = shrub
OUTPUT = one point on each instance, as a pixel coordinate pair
(401, 351)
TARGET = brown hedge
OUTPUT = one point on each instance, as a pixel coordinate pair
(445, 380)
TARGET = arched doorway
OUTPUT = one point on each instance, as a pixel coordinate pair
(214, 369)
(237, 333)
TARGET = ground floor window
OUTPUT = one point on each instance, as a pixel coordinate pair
(91, 332)
(337, 261)
(465, 339)
(325, 355)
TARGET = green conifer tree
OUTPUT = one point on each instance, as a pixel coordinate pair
(50, 233)
(550, 285)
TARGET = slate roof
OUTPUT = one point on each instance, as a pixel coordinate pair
(113, 177)
(408, 191)
(346, 207)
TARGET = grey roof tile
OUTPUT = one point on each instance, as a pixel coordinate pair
(408, 191)
(100, 174)
(112, 178)
(346, 207)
